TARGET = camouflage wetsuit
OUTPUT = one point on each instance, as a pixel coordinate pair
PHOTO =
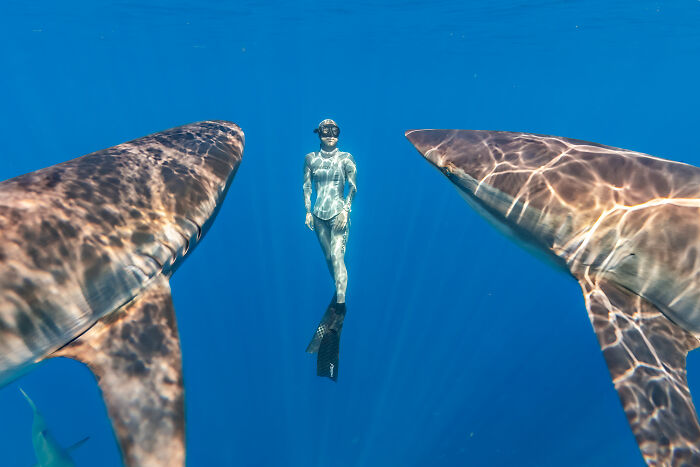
(328, 171)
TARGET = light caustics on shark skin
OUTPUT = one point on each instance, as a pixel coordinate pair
(627, 226)
(88, 248)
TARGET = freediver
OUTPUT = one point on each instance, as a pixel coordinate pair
(328, 170)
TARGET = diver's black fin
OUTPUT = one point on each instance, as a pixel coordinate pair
(332, 319)
(326, 341)
(328, 352)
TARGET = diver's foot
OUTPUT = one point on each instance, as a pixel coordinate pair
(339, 308)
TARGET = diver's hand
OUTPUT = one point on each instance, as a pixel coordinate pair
(341, 221)
(310, 221)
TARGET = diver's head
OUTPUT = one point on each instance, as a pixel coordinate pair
(328, 132)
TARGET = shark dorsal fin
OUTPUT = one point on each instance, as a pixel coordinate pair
(135, 357)
(646, 356)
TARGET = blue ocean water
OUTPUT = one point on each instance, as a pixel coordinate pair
(459, 348)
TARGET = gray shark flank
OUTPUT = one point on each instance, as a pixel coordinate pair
(89, 246)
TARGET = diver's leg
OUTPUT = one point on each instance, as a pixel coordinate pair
(332, 323)
(338, 241)
(326, 340)
(323, 233)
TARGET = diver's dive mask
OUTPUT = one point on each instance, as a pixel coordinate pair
(328, 130)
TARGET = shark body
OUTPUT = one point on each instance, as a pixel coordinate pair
(49, 453)
(626, 226)
(88, 248)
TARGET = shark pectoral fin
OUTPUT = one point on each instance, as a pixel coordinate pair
(135, 356)
(76, 445)
(646, 356)
(31, 402)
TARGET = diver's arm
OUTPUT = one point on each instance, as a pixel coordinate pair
(351, 177)
(307, 192)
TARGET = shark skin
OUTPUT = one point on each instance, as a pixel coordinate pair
(626, 226)
(89, 247)
(47, 450)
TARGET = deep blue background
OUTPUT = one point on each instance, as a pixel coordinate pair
(459, 348)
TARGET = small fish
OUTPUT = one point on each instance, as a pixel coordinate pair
(47, 450)
(88, 249)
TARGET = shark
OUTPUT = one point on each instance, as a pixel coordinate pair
(626, 226)
(89, 246)
(48, 451)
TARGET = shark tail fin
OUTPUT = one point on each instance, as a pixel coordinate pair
(646, 356)
(134, 354)
(326, 340)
